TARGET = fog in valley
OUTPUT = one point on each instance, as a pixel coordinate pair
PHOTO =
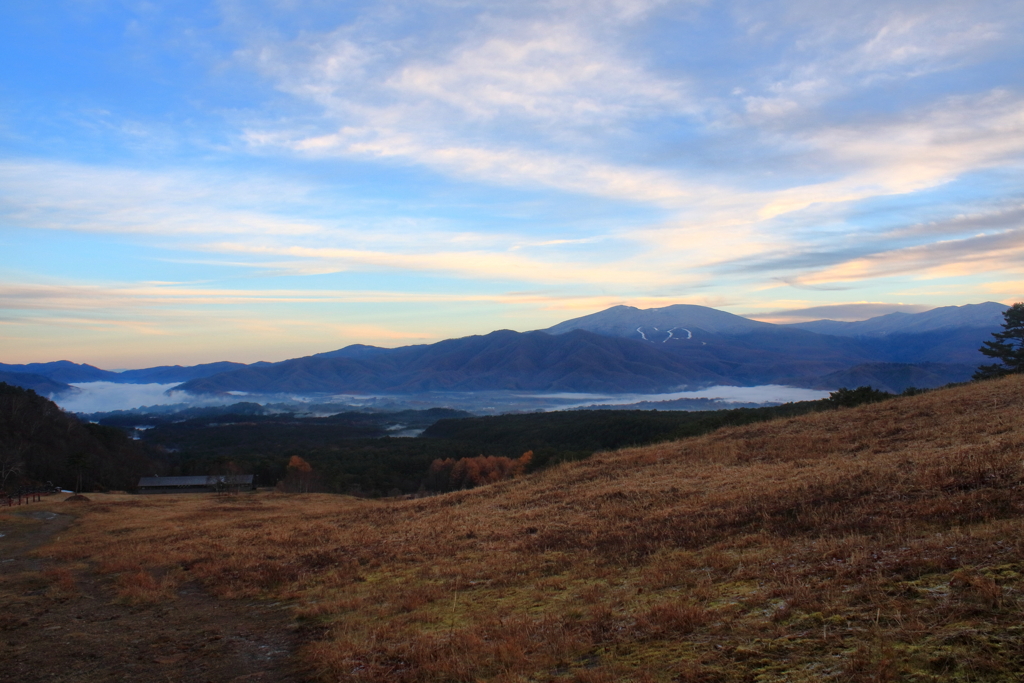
(98, 397)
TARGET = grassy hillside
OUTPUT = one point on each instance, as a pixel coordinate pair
(876, 543)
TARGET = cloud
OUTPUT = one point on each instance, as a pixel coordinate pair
(768, 393)
(134, 298)
(844, 312)
(94, 397)
(958, 135)
(191, 211)
(928, 148)
(953, 139)
(473, 264)
(550, 72)
(530, 99)
(1000, 252)
(985, 220)
(506, 166)
(920, 150)
(196, 213)
(65, 196)
(839, 49)
(517, 101)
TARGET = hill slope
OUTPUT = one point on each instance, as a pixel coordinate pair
(898, 377)
(884, 542)
(51, 445)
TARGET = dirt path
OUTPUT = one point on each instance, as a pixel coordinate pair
(56, 625)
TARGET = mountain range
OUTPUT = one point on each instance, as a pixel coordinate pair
(66, 372)
(620, 350)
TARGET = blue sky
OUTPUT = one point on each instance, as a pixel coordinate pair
(190, 182)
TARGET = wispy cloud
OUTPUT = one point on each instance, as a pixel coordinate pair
(66, 196)
(513, 166)
(190, 213)
(956, 136)
(474, 264)
(554, 73)
(981, 220)
(549, 81)
(841, 48)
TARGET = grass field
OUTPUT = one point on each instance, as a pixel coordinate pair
(869, 544)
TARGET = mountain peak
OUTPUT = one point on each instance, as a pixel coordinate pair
(678, 319)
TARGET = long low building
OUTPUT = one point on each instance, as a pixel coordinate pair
(203, 484)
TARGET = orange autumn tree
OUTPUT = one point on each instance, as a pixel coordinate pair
(300, 478)
(450, 475)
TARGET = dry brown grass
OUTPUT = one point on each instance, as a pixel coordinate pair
(62, 584)
(878, 543)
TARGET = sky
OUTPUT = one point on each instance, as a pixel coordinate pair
(191, 182)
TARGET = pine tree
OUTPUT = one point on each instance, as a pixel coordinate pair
(1007, 346)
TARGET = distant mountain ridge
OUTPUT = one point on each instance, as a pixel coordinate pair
(44, 386)
(625, 349)
(66, 372)
(945, 339)
(988, 315)
(500, 361)
(63, 371)
(359, 351)
(619, 350)
(624, 321)
(167, 374)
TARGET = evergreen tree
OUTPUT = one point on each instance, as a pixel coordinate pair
(1006, 346)
(849, 398)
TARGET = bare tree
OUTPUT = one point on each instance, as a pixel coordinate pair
(78, 460)
(11, 464)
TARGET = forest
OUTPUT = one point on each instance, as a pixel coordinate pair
(41, 445)
(356, 453)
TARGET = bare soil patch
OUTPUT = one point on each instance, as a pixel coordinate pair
(65, 622)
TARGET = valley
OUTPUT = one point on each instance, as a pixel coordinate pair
(881, 542)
